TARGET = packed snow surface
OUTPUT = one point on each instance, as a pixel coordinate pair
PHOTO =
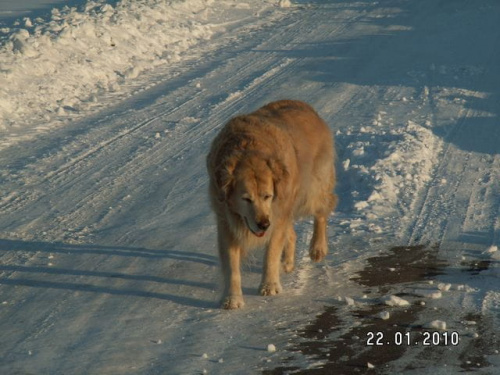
(108, 256)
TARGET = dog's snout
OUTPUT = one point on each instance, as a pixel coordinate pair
(264, 224)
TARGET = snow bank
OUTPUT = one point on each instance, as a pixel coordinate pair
(392, 165)
(61, 65)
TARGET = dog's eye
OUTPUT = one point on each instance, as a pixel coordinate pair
(267, 197)
(246, 199)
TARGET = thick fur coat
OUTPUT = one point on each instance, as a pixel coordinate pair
(267, 169)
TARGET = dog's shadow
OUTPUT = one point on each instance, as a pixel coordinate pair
(39, 272)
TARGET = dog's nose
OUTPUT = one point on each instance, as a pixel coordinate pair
(264, 224)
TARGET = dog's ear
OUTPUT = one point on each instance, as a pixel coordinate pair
(280, 176)
(225, 178)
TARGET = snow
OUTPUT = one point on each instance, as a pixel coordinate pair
(271, 348)
(384, 315)
(444, 287)
(436, 324)
(57, 68)
(395, 301)
(108, 260)
(429, 293)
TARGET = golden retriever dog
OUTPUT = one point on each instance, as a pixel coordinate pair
(267, 169)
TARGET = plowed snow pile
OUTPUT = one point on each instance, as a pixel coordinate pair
(59, 66)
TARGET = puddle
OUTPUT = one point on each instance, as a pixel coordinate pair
(403, 264)
(341, 349)
(336, 341)
(475, 267)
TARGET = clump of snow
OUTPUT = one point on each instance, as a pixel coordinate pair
(284, 3)
(394, 301)
(271, 348)
(436, 324)
(384, 315)
(349, 301)
(492, 249)
(433, 294)
(493, 252)
(444, 287)
(370, 366)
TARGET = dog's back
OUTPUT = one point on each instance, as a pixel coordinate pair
(313, 144)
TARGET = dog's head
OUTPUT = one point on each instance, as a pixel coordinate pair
(249, 186)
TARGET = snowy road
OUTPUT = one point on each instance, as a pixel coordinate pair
(108, 261)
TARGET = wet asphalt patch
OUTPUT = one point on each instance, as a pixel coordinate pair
(336, 346)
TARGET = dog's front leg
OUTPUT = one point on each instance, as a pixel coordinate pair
(230, 255)
(271, 276)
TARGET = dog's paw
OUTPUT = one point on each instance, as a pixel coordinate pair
(317, 253)
(287, 265)
(270, 289)
(233, 302)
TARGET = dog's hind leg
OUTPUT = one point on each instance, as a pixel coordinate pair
(230, 255)
(319, 247)
(288, 261)
(271, 276)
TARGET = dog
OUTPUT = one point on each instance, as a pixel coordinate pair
(267, 169)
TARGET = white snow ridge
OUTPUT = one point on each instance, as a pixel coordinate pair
(56, 66)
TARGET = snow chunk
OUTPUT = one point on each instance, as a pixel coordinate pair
(433, 294)
(491, 250)
(384, 315)
(349, 301)
(394, 301)
(444, 287)
(271, 348)
(436, 324)
(370, 366)
(361, 205)
(284, 3)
